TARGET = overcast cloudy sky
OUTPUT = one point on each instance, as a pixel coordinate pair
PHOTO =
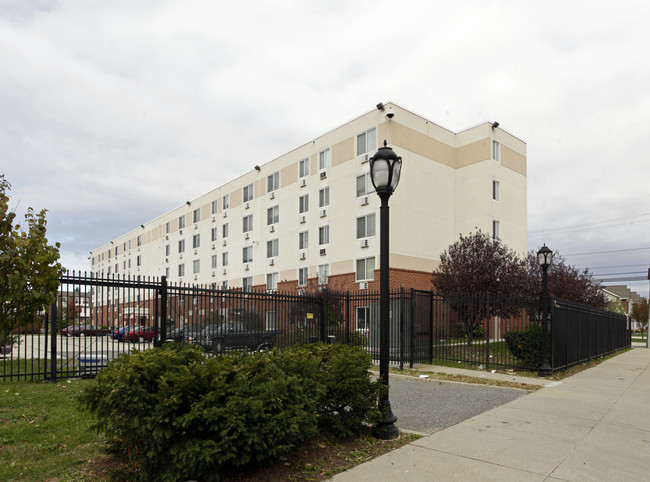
(114, 112)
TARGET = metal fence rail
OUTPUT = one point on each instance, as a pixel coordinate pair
(96, 320)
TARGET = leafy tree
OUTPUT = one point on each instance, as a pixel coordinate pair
(29, 267)
(472, 268)
(564, 281)
(640, 315)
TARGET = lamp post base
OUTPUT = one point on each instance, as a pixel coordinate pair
(386, 428)
(545, 370)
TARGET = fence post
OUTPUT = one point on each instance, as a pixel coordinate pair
(323, 317)
(347, 318)
(163, 311)
(402, 329)
(412, 337)
(487, 333)
(431, 327)
(53, 343)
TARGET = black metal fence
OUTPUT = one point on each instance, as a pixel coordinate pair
(95, 320)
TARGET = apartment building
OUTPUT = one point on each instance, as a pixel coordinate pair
(310, 218)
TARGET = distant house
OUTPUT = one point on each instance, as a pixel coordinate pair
(625, 297)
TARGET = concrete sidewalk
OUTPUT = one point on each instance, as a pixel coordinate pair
(592, 426)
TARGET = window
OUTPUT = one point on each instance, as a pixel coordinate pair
(495, 231)
(496, 151)
(214, 261)
(215, 206)
(495, 190)
(365, 269)
(324, 197)
(303, 275)
(167, 249)
(196, 266)
(303, 203)
(224, 259)
(181, 270)
(129, 263)
(363, 318)
(116, 248)
(247, 223)
(213, 234)
(117, 266)
(196, 215)
(324, 159)
(271, 320)
(272, 248)
(366, 226)
(129, 244)
(247, 283)
(323, 274)
(168, 228)
(181, 222)
(225, 201)
(196, 241)
(139, 242)
(364, 185)
(272, 282)
(303, 168)
(273, 215)
(248, 193)
(273, 182)
(303, 240)
(247, 254)
(224, 231)
(167, 272)
(323, 235)
(366, 142)
(224, 284)
(181, 246)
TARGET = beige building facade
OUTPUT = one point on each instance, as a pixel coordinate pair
(310, 217)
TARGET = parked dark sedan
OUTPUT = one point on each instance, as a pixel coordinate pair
(84, 330)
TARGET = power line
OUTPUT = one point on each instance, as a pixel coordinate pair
(578, 227)
(617, 266)
(612, 251)
(612, 274)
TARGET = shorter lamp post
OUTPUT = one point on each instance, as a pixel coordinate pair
(545, 258)
(385, 167)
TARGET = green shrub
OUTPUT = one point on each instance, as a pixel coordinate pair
(181, 415)
(526, 345)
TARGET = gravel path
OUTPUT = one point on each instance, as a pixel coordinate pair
(426, 406)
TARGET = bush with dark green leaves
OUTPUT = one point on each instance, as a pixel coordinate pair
(526, 345)
(180, 414)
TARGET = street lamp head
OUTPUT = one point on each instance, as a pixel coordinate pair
(385, 167)
(544, 257)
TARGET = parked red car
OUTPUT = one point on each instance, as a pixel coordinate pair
(139, 334)
(84, 330)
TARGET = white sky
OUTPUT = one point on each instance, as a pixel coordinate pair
(106, 106)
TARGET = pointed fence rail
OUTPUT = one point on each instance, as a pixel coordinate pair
(95, 320)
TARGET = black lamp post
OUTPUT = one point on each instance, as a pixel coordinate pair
(545, 258)
(385, 168)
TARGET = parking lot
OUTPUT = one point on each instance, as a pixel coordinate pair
(37, 346)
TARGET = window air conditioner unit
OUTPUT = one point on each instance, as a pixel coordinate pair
(363, 158)
(323, 251)
(364, 201)
(303, 255)
(180, 231)
(214, 273)
(272, 228)
(246, 236)
(196, 277)
(214, 218)
(166, 236)
(246, 267)
(214, 245)
(363, 285)
(323, 175)
(196, 251)
(272, 195)
(302, 219)
(271, 262)
(248, 205)
(364, 243)
(180, 256)
(196, 225)
(323, 213)
(225, 271)
(225, 214)
(303, 182)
